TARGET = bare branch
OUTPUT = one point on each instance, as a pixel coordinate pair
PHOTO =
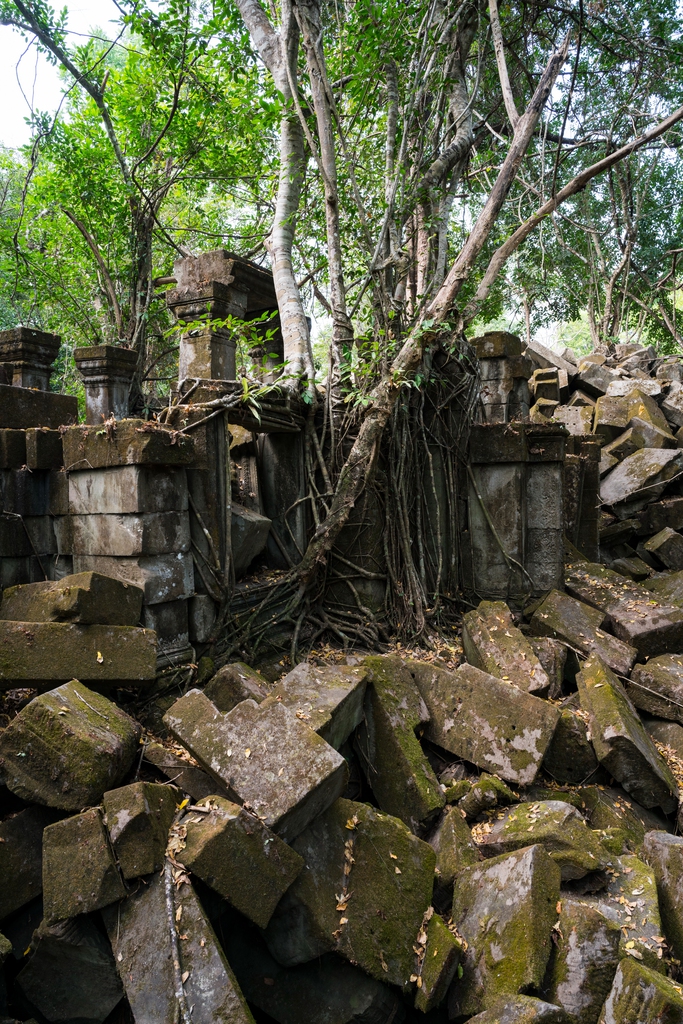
(497, 34)
(108, 283)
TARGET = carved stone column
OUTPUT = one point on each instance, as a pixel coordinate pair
(107, 372)
(26, 357)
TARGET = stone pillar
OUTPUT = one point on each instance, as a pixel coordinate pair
(26, 357)
(107, 372)
(504, 372)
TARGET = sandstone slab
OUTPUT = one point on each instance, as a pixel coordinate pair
(328, 698)
(667, 548)
(25, 407)
(657, 687)
(494, 644)
(146, 533)
(160, 577)
(128, 443)
(87, 599)
(21, 858)
(44, 448)
(127, 489)
(640, 477)
(639, 994)
(138, 818)
(234, 683)
(522, 1010)
(578, 624)
(570, 758)
(455, 849)
(664, 853)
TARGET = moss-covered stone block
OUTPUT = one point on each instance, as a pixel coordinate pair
(79, 869)
(363, 893)
(264, 757)
(657, 687)
(455, 849)
(396, 768)
(583, 961)
(642, 996)
(486, 720)
(522, 1010)
(439, 958)
(620, 741)
(570, 758)
(493, 643)
(554, 824)
(132, 443)
(664, 853)
(611, 808)
(21, 858)
(138, 818)
(86, 598)
(67, 747)
(630, 902)
(484, 794)
(578, 624)
(234, 853)
(552, 655)
(505, 908)
(328, 698)
(234, 683)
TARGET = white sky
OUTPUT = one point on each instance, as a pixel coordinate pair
(38, 79)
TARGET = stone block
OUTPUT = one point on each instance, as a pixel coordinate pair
(667, 547)
(659, 514)
(642, 406)
(669, 371)
(43, 448)
(41, 533)
(128, 443)
(395, 766)
(67, 747)
(505, 909)
(669, 734)
(486, 720)
(23, 407)
(607, 463)
(202, 617)
(484, 794)
(639, 994)
(664, 853)
(234, 683)
(455, 849)
(552, 655)
(139, 933)
(620, 741)
(128, 489)
(543, 410)
(647, 435)
(672, 405)
(14, 539)
(43, 654)
(635, 568)
(363, 893)
(494, 644)
(570, 758)
(621, 387)
(624, 445)
(652, 627)
(182, 773)
(522, 1010)
(58, 492)
(138, 818)
(328, 698)
(160, 577)
(169, 621)
(497, 345)
(267, 758)
(578, 624)
(24, 493)
(21, 858)
(546, 358)
(439, 957)
(242, 860)
(630, 902)
(580, 398)
(79, 870)
(71, 975)
(646, 468)
(557, 826)
(150, 533)
(249, 535)
(595, 380)
(12, 448)
(583, 961)
(88, 599)
(578, 419)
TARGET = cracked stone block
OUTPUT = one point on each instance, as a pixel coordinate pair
(130, 443)
(634, 616)
(79, 869)
(266, 758)
(552, 655)
(610, 418)
(71, 975)
(395, 766)
(234, 853)
(139, 932)
(583, 961)
(487, 792)
(635, 481)
(595, 380)
(363, 893)
(620, 741)
(522, 1010)
(87, 599)
(609, 809)
(494, 644)
(455, 849)
(578, 624)
(570, 758)
(146, 533)
(622, 387)
(578, 419)
(44, 654)
(21, 858)
(667, 548)
(248, 534)
(624, 445)
(44, 448)
(667, 512)
(161, 577)
(328, 698)
(24, 407)
(647, 435)
(657, 687)
(486, 720)
(129, 489)
(234, 683)
(639, 994)
(440, 962)
(672, 405)
(505, 909)
(643, 406)
(138, 818)
(67, 747)
(664, 853)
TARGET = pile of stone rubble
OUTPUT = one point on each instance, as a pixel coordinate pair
(376, 841)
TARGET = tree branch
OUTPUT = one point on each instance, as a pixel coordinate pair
(108, 283)
(497, 33)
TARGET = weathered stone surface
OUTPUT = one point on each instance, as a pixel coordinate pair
(667, 512)
(505, 909)
(44, 448)
(497, 345)
(24, 493)
(578, 419)
(522, 1010)
(611, 418)
(620, 740)
(672, 405)
(24, 407)
(583, 961)
(652, 627)
(643, 996)
(79, 869)
(161, 577)
(485, 793)
(71, 975)
(570, 758)
(643, 406)
(630, 902)
(622, 387)
(624, 445)
(647, 435)
(138, 818)
(234, 683)
(438, 962)
(67, 747)
(595, 380)
(21, 858)
(664, 853)
(643, 469)
(552, 655)
(555, 825)
(395, 766)
(87, 599)
(267, 758)
(667, 548)
(248, 534)
(139, 932)
(181, 773)
(657, 687)
(610, 809)
(494, 644)
(234, 853)
(43, 654)
(578, 624)
(454, 848)
(669, 734)
(147, 533)
(129, 443)
(170, 621)
(363, 893)
(12, 448)
(127, 489)
(486, 720)
(328, 698)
